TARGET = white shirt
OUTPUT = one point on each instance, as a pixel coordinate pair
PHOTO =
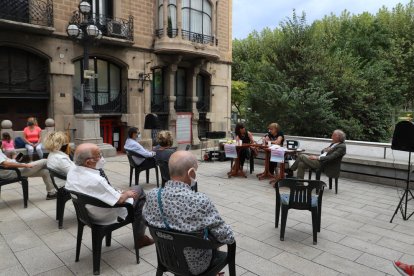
(132, 145)
(6, 174)
(88, 181)
(326, 152)
(60, 162)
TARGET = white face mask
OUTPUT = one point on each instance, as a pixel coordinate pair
(100, 164)
(193, 180)
(139, 137)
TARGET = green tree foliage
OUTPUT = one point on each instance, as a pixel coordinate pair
(239, 97)
(347, 71)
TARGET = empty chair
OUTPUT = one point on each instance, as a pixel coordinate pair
(303, 195)
(19, 178)
(170, 247)
(62, 196)
(99, 231)
(139, 168)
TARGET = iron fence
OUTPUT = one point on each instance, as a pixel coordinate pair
(170, 32)
(103, 105)
(111, 27)
(198, 38)
(187, 35)
(36, 12)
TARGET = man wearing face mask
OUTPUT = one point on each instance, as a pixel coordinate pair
(187, 211)
(87, 178)
(131, 144)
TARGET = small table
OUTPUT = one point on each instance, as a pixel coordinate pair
(236, 170)
(266, 174)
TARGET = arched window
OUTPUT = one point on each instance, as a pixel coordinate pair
(158, 102)
(196, 15)
(172, 17)
(203, 93)
(105, 89)
(24, 86)
(181, 101)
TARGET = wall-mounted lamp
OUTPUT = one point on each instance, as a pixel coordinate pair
(142, 77)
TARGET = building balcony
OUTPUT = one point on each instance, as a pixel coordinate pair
(31, 15)
(186, 43)
(114, 30)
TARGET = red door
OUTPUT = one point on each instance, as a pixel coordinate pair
(113, 132)
(106, 130)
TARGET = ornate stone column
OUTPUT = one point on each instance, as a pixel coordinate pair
(214, 21)
(194, 99)
(170, 86)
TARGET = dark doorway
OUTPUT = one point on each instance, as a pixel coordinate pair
(18, 110)
(24, 86)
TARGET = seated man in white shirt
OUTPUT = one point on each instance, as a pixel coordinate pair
(328, 157)
(32, 169)
(85, 178)
(131, 144)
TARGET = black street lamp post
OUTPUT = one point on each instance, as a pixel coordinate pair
(84, 28)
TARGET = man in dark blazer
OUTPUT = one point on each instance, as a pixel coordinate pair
(329, 160)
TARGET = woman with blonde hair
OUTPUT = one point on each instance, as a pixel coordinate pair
(276, 137)
(164, 148)
(56, 143)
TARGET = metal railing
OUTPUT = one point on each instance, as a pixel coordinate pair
(111, 27)
(36, 12)
(187, 35)
(365, 148)
(198, 38)
(117, 105)
(170, 32)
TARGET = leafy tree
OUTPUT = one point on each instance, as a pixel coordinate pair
(347, 71)
(239, 97)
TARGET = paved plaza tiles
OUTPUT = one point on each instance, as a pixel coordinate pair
(356, 237)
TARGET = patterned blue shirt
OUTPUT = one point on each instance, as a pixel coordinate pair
(187, 211)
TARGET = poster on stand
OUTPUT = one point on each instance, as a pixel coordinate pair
(183, 128)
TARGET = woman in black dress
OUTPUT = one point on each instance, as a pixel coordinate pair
(247, 138)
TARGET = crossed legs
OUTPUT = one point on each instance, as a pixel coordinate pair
(39, 169)
(303, 163)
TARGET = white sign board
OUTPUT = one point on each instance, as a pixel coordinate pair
(230, 150)
(89, 74)
(277, 155)
(183, 128)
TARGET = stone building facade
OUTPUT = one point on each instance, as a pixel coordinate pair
(166, 57)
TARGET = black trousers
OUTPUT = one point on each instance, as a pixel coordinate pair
(272, 167)
(148, 162)
(138, 206)
(244, 154)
